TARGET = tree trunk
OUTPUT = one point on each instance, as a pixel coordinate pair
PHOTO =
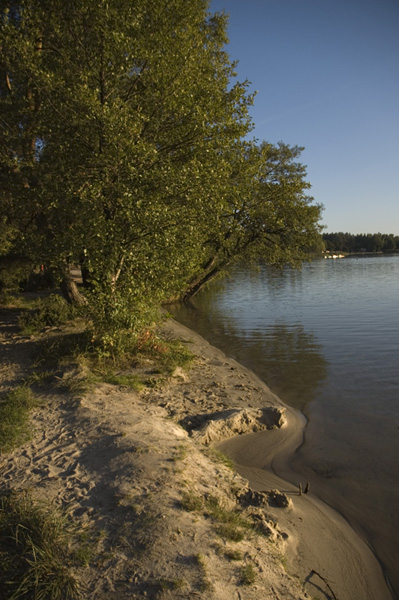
(70, 291)
(196, 287)
(86, 276)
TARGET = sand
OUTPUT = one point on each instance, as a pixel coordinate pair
(125, 470)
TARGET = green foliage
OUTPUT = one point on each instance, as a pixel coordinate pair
(51, 312)
(19, 274)
(267, 213)
(124, 153)
(38, 280)
(14, 417)
(117, 321)
(35, 560)
(12, 272)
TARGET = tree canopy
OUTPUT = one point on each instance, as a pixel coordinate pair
(125, 150)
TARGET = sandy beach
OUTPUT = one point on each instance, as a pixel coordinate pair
(137, 471)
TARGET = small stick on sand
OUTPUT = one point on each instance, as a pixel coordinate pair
(274, 592)
(307, 487)
(300, 489)
(325, 581)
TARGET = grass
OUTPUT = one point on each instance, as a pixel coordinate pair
(233, 554)
(167, 354)
(231, 525)
(39, 377)
(180, 453)
(218, 457)
(130, 369)
(131, 381)
(14, 417)
(191, 502)
(54, 311)
(63, 349)
(247, 575)
(205, 584)
(231, 532)
(19, 301)
(85, 550)
(172, 584)
(35, 560)
(284, 561)
(141, 360)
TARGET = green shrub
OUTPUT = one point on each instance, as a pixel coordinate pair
(39, 280)
(168, 354)
(13, 271)
(52, 312)
(64, 348)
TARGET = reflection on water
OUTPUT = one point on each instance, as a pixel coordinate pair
(290, 361)
(287, 358)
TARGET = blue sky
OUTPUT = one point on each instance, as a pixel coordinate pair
(327, 77)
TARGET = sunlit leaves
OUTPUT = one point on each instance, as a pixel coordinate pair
(139, 171)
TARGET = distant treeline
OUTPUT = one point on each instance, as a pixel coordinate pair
(362, 242)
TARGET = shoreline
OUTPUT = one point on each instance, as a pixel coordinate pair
(119, 463)
(340, 552)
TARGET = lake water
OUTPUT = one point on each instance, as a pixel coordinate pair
(326, 340)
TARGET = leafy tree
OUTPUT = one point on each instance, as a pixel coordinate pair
(122, 151)
(119, 111)
(267, 215)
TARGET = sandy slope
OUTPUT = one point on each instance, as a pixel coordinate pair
(123, 467)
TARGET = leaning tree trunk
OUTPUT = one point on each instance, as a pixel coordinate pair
(70, 290)
(199, 284)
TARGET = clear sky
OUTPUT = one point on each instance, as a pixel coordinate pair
(327, 76)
